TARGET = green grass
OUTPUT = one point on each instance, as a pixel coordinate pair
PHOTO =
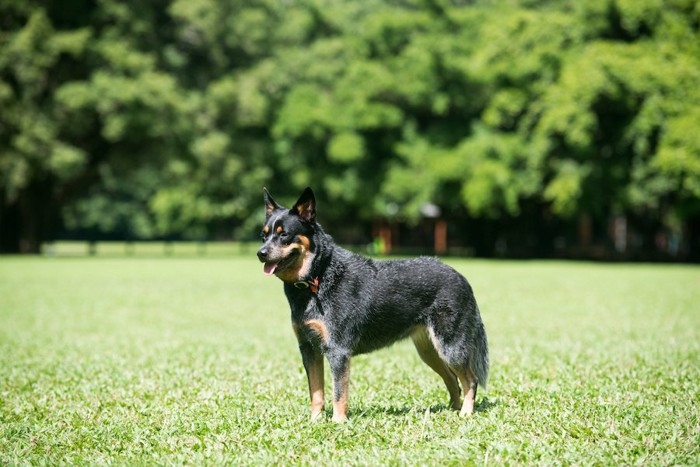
(177, 360)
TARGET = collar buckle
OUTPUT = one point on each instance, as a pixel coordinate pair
(310, 284)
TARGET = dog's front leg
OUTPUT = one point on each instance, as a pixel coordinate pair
(313, 364)
(340, 367)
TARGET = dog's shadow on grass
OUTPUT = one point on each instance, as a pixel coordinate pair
(372, 411)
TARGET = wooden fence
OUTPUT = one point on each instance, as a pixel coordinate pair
(155, 248)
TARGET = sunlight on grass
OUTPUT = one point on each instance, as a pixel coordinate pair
(185, 360)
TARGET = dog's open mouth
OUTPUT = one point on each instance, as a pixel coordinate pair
(271, 267)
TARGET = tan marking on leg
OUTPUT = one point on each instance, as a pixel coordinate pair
(435, 341)
(426, 351)
(313, 364)
(468, 380)
(319, 328)
(315, 376)
(340, 397)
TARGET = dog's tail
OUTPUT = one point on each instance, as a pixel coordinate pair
(479, 358)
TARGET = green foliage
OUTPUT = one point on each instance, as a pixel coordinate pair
(178, 112)
(30, 144)
(346, 147)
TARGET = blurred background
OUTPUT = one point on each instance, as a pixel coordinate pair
(519, 128)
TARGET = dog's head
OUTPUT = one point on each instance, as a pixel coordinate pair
(287, 237)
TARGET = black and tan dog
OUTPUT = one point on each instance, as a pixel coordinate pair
(344, 305)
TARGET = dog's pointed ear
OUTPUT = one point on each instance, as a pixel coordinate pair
(270, 204)
(305, 207)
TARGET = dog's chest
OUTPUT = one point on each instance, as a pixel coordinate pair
(308, 320)
(315, 331)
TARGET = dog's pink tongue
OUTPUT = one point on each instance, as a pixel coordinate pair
(269, 268)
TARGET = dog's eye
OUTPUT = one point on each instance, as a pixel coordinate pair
(286, 238)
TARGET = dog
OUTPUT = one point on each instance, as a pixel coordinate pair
(344, 304)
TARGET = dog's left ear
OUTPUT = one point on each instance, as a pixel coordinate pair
(305, 207)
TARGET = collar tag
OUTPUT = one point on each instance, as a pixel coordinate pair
(310, 284)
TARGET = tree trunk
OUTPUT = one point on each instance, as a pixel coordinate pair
(25, 223)
(9, 226)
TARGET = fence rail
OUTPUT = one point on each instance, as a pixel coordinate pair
(154, 248)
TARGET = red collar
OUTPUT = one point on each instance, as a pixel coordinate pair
(310, 284)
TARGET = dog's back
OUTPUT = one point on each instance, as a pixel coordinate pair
(388, 300)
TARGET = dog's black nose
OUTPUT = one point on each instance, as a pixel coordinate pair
(262, 254)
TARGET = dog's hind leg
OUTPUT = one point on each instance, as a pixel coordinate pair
(428, 353)
(469, 385)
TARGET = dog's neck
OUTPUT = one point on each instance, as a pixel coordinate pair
(312, 273)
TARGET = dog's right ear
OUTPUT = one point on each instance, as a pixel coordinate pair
(270, 204)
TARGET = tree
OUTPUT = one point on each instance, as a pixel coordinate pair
(36, 165)
(615, 123)
(164, 119)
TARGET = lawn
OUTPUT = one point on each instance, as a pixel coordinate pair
(191, 360)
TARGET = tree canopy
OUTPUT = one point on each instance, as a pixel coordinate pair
(165, 118)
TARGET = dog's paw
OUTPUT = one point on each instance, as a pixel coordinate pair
(337, 418)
